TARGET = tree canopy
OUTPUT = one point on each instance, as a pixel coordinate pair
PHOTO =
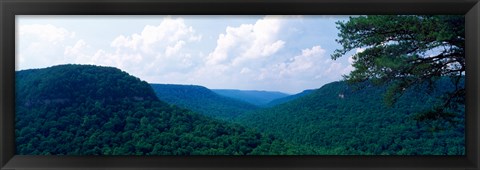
(339, 119)
(93, 110)
(405, 51)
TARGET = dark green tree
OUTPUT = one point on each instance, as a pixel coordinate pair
(94, 110)
(408, 51)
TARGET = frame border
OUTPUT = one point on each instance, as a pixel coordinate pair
(10, 8)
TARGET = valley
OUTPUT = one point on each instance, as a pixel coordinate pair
(94, 110)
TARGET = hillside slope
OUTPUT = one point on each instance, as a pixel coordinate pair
(92, 110)
(288, 98)
(347, 120)
(259, 98)
(201, 100)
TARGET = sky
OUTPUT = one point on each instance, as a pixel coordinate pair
(273, 53)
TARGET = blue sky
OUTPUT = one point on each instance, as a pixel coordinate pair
(274, 53)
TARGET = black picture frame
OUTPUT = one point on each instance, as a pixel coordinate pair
(10, 8)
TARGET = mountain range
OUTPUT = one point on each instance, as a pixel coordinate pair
(347, 119)
(202, 100)
(256, 97)
(93, 110)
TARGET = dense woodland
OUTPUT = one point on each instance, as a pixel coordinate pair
(338, 118)
(400, 99)
(349, 120)
(91, 110)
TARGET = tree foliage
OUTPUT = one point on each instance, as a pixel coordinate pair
(340, 119)
(405, 51)
(91, 110)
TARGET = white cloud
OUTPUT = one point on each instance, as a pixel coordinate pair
(308, 59)
(129, 42)
(334, 67)
(271, 53)
(76, 49)
(248, 42)
(169, 31)
(245, 53)
(169, 51)
(311, 68)
(245, 70)
(307, 69)
(41, 45)
(351, 60)
(307, 64)
(48, 32)
(153, 51)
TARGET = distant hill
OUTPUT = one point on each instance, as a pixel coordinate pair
(92, 110)
(259, 98)
(348, 120)
(202, 100)
(288, 98)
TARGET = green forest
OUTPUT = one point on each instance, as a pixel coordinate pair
(400, 99)
(349, 121)
(58, 114)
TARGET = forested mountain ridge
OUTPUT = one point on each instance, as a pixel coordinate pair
(93, 110)
(256, 97)
(347, 119)
(70, 83)
(289, 98)
(202, 100)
